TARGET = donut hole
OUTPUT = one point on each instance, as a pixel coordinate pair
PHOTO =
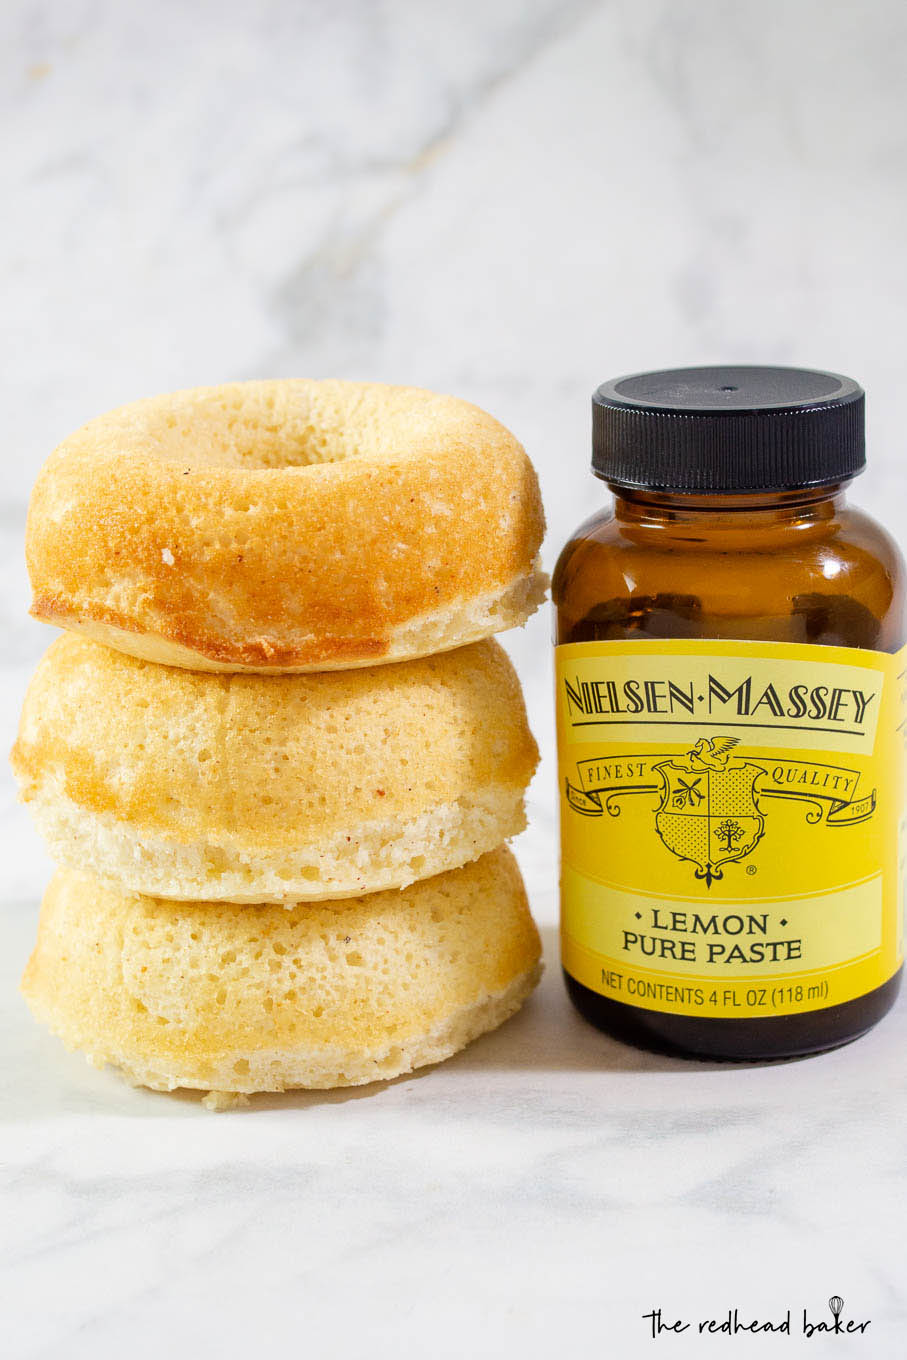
(204, 440)
(262, 425)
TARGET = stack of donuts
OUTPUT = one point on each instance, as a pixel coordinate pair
(276, 753)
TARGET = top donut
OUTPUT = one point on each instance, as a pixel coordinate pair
(287, 526)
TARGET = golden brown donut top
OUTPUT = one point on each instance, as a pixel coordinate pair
(268, 523)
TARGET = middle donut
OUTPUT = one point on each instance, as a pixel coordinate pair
(247, 788)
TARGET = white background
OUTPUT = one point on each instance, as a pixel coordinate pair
(509, 200)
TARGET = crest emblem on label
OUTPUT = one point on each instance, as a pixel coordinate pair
(709, 813)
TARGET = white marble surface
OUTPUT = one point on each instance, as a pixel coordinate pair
(511, 201)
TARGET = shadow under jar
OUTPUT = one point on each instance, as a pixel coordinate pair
(729, 702)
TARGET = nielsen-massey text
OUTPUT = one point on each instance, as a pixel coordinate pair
(768, 702)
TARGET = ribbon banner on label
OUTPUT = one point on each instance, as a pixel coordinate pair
(830, 789)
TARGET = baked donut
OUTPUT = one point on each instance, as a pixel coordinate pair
(287, 526)
(251, 788)
(242, 999)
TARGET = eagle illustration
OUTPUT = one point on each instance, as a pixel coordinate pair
(711, 753)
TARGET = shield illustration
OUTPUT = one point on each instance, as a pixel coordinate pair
(709, 816)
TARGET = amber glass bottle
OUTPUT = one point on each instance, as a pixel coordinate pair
(729, 682)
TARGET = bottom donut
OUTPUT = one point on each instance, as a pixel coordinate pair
(239, 999)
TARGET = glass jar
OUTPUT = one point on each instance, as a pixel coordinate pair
(729, 721)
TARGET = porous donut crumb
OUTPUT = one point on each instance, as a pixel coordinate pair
(283, 789)
(242, 999)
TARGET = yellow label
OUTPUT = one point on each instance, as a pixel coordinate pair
(731, 814)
